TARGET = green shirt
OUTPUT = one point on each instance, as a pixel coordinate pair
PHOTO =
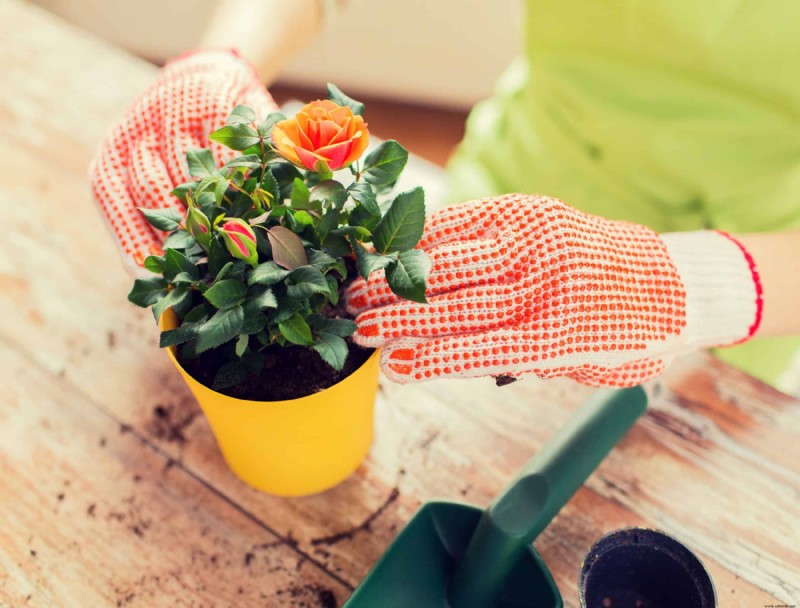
(679, 115)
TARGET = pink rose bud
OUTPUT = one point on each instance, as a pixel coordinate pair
(198, 226)
(240, 240)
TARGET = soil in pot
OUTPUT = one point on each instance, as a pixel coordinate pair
(289, 372)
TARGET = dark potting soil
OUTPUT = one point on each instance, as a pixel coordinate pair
(289, 372)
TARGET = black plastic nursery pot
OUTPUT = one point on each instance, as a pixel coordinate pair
(642, 568)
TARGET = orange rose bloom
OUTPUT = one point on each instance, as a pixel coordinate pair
(321, 131)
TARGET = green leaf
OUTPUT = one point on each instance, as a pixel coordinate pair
(331, 191)
(358, 232)
(407, 276)
(329, 222)
(337, 245)
(265, 126)
(248, 161)
(306, 281)
(226, 294)
(241, 115)
(270, 185)
(363, 194)
(241, 345)
(179, 240)
(201, 162)
(196, 314)
(332, 349)
(181, 191)
(221, 328)
(176, 262)
(286, 308)
(337, 327)
(267, 273)
(262, 297)
(223, 272)
(296, 330)
(163, 219)
(360, 217)
(287, 248)
(384, 165)
(335, 95)
(218, 256)
(401, 228)
(367, 262)
(236, 137)
(182, 278)
(180, 335)
(324, 262)
(154, 263)
(333, 289)
(254, 320)
(174, 298)
(301, 195)
(303, 218)
(146, 292)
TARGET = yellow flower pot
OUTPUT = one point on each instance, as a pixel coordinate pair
(297, 447)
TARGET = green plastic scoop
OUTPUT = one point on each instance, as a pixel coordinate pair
(453, 555)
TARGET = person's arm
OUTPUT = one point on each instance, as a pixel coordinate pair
(270, 35)
(777, 258)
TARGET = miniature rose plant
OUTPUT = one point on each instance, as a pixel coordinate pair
(259, 257)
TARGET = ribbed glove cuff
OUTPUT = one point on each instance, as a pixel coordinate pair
(724, 299)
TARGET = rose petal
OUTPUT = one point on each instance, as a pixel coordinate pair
(309, 159)
(344, 134)
(360, 143)
(336, 154)
(283, 143)
(327, 131)
(341, 113)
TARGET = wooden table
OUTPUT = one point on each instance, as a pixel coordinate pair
(113, 493)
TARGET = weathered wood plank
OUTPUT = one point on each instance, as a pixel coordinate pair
(95, 516)
(716, 461)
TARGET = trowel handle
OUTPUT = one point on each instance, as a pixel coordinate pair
(517, 516)
(571, 455)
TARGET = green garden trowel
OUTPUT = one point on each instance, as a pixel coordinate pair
(452, 555)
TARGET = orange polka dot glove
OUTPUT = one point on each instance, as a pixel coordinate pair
(527, 284)
(143, 157)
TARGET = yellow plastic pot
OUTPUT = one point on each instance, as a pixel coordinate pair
(297, 447)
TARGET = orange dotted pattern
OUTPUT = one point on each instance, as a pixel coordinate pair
(143, 157)
(528, 284)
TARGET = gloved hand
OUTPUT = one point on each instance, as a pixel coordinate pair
(527, 284)
(143, 157)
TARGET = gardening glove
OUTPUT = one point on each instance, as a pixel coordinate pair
(527, 284)
(143, 158)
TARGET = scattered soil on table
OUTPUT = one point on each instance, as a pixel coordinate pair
(298, 594)
(170, 421)
(504, 380)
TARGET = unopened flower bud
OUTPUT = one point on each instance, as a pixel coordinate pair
(198, 226)
(240, 240)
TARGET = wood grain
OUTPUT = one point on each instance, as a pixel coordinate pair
(93, 410)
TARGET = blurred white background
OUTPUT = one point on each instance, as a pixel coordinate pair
(375, 47)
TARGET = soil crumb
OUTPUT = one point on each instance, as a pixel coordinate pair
(504, 380)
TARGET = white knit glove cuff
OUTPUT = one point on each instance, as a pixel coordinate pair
(723, 291)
